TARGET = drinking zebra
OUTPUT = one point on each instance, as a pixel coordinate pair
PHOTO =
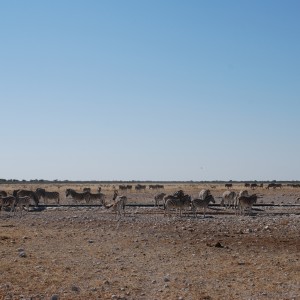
(78, 196)
(42, 193)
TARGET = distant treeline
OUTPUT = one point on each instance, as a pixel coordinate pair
(16, 181)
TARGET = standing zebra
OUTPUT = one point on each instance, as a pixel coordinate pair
(8, 201)
(246, 202)
(119, 204)
(176, 202)
(31, 194)
(98, 196)
(22, 202)
(202, 203)
(42, 193)
(158, 198)
(228, 198)
(3, 194)
(78, 196)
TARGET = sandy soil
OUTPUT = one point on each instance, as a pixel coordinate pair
(87, 253)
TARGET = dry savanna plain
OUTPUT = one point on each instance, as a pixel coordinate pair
(87, 252)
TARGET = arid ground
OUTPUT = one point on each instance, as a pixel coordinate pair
(89, 253)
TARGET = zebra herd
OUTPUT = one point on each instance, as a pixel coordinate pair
(179, 201)
(241, 202)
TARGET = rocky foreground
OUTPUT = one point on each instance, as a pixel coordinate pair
(90, 254)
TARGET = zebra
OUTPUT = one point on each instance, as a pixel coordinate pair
(3, 194)
(98, 196)
(200, 202)
(245, 202)
(42, 193)
(140, 187)
(158, 198)
(228, 199)
(22, 202)
(172, 201)
(86, 190)
(78, 196)
(31, 194)
(240, 194)
(8, 201)
(119, 204)
(204, 193)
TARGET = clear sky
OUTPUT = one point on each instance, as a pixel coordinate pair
(150, 90)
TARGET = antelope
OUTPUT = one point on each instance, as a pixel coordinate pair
(202, 203)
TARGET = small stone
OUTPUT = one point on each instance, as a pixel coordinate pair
(54, 297)
(22, 254)
(75, 288)
(90, 241)
(219, 245)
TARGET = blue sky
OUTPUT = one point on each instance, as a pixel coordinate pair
(150, 90)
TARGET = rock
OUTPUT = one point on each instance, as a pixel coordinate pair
(22, 254)
(75, 288)
(219, 245)
(54, 297)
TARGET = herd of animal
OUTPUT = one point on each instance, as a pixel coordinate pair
(178, 201)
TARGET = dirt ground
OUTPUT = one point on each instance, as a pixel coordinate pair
(88, 253)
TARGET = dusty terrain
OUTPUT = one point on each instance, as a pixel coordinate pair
(87, 253)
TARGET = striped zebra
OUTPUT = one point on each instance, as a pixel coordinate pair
(3, 194)
(98, 196)
(78, 196)
(21, 203)
(246, 202)
(240, 194)
(158, 198)
(119, 204)
(31, 194)
(8, 201)
(202, 203)
(42, 193)
(228, 199)
(174, 202)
